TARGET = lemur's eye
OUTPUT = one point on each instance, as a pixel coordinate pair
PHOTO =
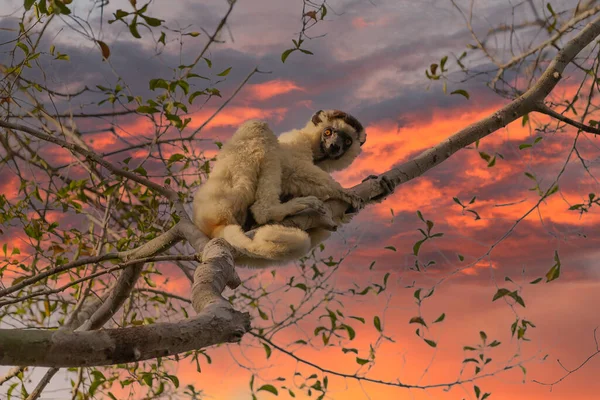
(328, 132)
(348, 142)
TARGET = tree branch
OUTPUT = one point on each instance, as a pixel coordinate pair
(44, 348)
(544, 109)
(165, 191)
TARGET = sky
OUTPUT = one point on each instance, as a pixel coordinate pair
(371, 62)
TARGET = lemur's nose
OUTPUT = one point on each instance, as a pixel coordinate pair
(335, 148)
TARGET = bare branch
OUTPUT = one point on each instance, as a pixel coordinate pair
(165, 191)
(544, 109)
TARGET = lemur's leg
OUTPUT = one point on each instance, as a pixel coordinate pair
(267, 206)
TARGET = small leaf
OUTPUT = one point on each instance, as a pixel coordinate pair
(554, 272)
(377, 323)
(500, 293)
(225, 72)
(286, 54)
(361, 361)
(440, 318)
(430, 342)
(133, 29)
(417, 246)
(268, 388)
(417, 320)
(152, 21)
(390, 248)
(104, 48)
(267, 350)
(461, 92)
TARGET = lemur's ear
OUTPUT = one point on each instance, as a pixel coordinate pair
(316, 118)
(362, 138)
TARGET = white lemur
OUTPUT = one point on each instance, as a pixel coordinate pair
(254, 171)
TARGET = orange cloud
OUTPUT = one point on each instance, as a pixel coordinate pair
(267, 90)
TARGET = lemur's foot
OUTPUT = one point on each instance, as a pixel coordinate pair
(300, 204)
(354, 200)
(385, 183)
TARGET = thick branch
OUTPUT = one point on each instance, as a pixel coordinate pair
(214, 273)
(46, 348)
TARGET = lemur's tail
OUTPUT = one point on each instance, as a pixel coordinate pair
(271, 244)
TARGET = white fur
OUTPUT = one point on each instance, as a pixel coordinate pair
(252, 171)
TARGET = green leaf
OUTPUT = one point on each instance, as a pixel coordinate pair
(60, 6)
(430, 342)
(361, 361)
(552, 190)
(147, 110)
(417, 246)
(524, 146)
(141, 170)
(350, 330)
(268, 388)
(267, 350)
(538, 280)
(174, 379)
(286, 54)
(440, 318)
(390, 248)
(500, 293)
(461, 92)
(152, 21)
(361, 319)
(301, 286)
(225, 72)
(194, 95)
(345, 350)
(158, 83)
(377, 323)
(147, 378)
(184, 86)
(28, 4)
(323, 11)
(23, 47)
(133, 29)
(477, 391)
(417, 320)
(554, 272)
(174, 158)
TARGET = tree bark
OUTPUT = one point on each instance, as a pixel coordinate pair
(44, 348)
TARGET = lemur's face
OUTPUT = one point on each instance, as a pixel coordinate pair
(335, 142)
(340, 140)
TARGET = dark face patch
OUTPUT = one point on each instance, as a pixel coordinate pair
(334, 143)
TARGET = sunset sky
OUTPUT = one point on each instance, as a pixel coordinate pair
(371, 63)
